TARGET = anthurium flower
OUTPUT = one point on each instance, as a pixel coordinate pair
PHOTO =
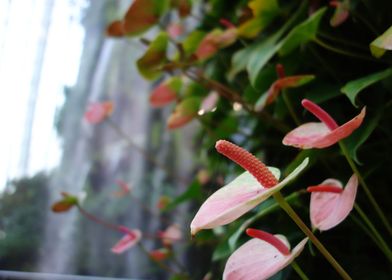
(323, 134)
(166, 92)
(244, 193)
(330, 204)
(341, 13)
(282, 83)
(184, 112)
(97, 112)
(261, 257)
(209, 103)
(214, 41)
(130, 239)
(170, 235)
(382, 43)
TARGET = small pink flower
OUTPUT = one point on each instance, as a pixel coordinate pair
(130, 239)
(330, 204)
(244, 193)
(321, 134)
(261, 257)
(97, 112)
(342, 12)
(124, 189)
(170, 235)
(175, 30)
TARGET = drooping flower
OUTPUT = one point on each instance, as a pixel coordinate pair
(283, 82)
(341, 14)
(321, 134)
(244, 193)
(330, 204)
(261, 257)
(124, 189)
(170, 235)
(130, 239)
(209, 103)
(97, 112)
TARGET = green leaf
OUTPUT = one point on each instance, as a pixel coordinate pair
(149, 65)
(222, 251)
(240, 60)
(264, 11)
(267, 48)
(142, 15)
(193, 192)
(302, 33)
(192, 41)
(355, 141)
(352, 88)
(382, 43)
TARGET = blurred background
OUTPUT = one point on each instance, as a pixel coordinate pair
(55, 60)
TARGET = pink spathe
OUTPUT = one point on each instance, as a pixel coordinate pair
(328, 209)
(258, 259)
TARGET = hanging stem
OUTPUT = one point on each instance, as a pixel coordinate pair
(381, 242)
(289, 106)
(293, 215)
(299, 271)
(365, 187)
(343, 52)
(97, 220)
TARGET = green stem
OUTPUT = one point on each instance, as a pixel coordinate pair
(343, 52)
(299, 271)
(365, 187)
(381, 242)
(293, 215)
(289, 106)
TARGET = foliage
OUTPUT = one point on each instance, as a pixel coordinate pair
(22, 222)
(330, 54)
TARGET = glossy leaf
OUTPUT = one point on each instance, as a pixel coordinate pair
(359, 137)
(192, 193)
(382, 43)
(142, 15)
(352, 88)
(264, 11)
(184, 112)
(277, 86)
(65, 204)
(214, 41)
(235, 199)
(149, 65)
(302, 33)
(166, 92)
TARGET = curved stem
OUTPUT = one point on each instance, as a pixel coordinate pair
(293, 215)
(299, 271)
(343, 52)
(365, 187)
(97, 220)
(381, 242)
(290, 108)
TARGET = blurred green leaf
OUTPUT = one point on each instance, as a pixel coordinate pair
(302, 33)
(193, 192)
(358, 138)
(352, 88)
(149, 65)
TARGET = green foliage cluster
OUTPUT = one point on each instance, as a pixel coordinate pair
(22, 221)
